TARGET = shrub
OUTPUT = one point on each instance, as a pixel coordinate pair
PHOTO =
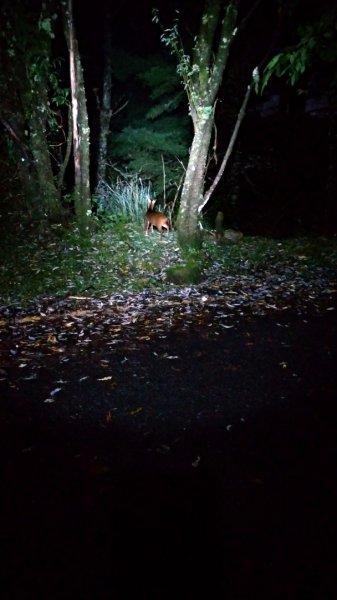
(124, 200)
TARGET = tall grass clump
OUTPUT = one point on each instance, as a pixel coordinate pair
(123, 200)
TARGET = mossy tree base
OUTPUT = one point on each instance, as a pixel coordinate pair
(190, 273)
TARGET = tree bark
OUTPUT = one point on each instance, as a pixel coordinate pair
(192, 192)
(45, 183)
(36, 109)
(24, 106)
(208, 63)
(105, 108)
(81, 131)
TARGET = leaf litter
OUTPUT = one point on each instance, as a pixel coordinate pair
(77, 323)
(79, 329)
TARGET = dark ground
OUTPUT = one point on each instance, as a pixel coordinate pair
(191, 464)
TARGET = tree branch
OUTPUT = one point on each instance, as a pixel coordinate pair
(16, 138)
(226, 37)
(230, 146)
(248, 15)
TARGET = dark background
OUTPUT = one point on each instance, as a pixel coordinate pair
(280, 180)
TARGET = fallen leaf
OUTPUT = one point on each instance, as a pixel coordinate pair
(136, 411)
(55, 391)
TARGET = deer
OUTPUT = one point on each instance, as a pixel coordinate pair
(156, 219)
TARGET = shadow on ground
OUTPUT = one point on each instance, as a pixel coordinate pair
(188, 501)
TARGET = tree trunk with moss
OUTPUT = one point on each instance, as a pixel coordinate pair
(46, 190)
(25, 106)
(202, 84)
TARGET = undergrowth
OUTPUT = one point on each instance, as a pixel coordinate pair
(120, 258)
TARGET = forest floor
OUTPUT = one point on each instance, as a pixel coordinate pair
(173, 445)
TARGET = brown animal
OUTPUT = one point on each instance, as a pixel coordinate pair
(155, 219)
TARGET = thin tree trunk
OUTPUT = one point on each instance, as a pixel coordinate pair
(64, 164)
(230, 147)
(81, 131)
(105, 109)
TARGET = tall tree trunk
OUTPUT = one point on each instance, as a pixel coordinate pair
(24, 104)
(192, 193)
(105, 108)
(46, 189)
(202, 82)
(36, 105)
(81, 131)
